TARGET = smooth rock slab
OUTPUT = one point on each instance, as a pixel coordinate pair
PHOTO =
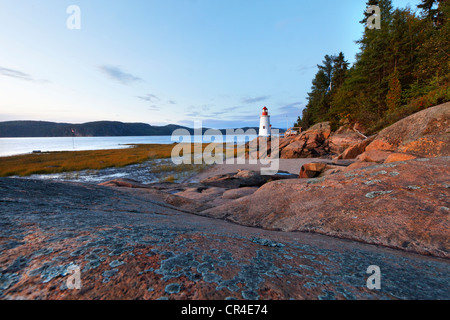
(169, 246)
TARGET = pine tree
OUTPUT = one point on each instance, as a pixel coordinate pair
(432, 10)
(340, 70)
(394, 96)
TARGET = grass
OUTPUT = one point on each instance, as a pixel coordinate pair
(68, 161)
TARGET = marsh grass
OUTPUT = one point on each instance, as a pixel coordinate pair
(69, 161)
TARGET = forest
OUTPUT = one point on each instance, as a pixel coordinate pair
(400, 69)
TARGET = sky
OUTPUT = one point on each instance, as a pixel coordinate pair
(169, 61)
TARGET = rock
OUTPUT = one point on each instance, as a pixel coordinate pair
(423, 134)
(172, 254)
(293, 151)
(260, 148)
(202, 194)
(177, 201)
(343, 139)
(378, 156)
(238, 193)
(126, 183)
(312, 170)
(243, 178)
(358, 165)
(356, 149)
(319, 169)
(395, 157)
(374, 204)
(308, 144)
(233, 181)
(318, 141)
(331, 169)
(323, 129)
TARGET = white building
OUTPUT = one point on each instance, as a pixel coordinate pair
(264, 124)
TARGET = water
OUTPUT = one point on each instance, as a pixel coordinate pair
(15, 146)
(143, 173)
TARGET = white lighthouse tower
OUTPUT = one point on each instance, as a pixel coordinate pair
(264, 124)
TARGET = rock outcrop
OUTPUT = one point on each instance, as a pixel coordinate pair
(356, 149)
(126, 245)
(402, 205)
(317, 141)
(423, 134)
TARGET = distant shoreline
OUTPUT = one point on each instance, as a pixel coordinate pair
(44, 129)
(23, 146)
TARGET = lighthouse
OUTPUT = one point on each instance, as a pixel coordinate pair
(264, 124)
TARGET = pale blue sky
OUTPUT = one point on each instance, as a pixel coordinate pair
(169, 61)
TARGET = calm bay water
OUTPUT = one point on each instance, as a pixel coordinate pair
(15, 146)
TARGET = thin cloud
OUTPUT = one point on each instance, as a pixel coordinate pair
(154, 108)
(12, 73)
(291, 107)
(149, 97)
(207, 113)
(194, 114)
(117, 74)
(256, 99)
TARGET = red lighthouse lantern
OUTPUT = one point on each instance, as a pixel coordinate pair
(265, 113)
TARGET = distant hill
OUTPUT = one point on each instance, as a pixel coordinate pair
(18, 129)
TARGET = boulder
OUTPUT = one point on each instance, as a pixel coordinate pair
(312, 170)
(356, 149)
(396, 157)
(402, 205)
(293, 150)
(342, 140)
(423, 134)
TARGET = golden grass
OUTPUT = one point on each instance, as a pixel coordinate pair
(57, 162)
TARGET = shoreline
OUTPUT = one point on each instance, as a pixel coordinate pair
(56, 162)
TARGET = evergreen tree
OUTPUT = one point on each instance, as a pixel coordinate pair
(340, 70)
(432, 10)
(394, 96)
(400, 68)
